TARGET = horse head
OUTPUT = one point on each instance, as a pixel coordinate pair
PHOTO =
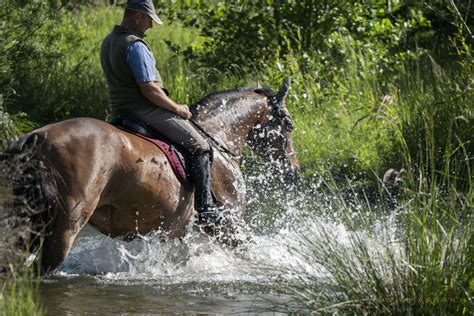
(272, 137)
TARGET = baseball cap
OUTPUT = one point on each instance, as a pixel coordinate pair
(145, 6)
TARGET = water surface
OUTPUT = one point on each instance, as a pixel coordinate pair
(195, 275)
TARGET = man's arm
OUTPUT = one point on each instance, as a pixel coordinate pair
(142, 63)
(157, 96)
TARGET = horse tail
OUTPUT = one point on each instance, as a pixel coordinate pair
(34, 186)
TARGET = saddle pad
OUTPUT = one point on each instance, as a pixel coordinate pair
(173, 159)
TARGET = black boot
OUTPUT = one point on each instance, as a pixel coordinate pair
(201, 176)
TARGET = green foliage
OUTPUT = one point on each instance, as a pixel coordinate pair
(19, 284)
(19, 295)
(23, 43)
(13, 125)
(347, 61)
(251, 34)
(356, 67)
(56, 79)
(419, 265)
(67, 80)
(347, 131)
(436, 117)
(376, 84)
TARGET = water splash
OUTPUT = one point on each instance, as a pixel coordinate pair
(279, 235)
(194, 258)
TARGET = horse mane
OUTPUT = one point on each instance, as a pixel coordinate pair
(216, 98)
(215, 106)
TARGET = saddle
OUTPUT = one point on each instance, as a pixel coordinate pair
(175, 158)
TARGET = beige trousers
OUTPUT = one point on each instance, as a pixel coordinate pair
(174, 128)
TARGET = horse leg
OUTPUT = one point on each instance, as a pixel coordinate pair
(63, 232)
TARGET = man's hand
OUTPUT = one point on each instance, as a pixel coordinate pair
(183, 111)
(153, 92)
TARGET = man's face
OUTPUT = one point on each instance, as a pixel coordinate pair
(143, 22)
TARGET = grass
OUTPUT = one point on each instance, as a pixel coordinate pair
(341, 125)
(421, 262)
(19, 296)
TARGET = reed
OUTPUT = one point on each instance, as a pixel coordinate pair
(418, 258)
(20, 295)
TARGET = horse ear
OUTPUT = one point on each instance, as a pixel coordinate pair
(281, 94)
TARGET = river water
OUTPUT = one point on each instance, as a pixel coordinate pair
(149, 276)
(196, 274)
(193, 275)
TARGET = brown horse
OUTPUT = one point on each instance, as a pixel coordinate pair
(124, 186)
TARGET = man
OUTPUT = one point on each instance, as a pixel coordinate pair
(136, 91)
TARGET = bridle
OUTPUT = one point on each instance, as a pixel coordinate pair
(279, 118)
(282, 119)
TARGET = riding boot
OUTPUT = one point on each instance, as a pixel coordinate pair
(201, 176)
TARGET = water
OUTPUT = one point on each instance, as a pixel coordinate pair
(94, 295)
(196, 274)
(148, 276)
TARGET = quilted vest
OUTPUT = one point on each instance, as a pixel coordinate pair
(125, 95)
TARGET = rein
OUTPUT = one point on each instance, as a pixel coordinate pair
(217, 142)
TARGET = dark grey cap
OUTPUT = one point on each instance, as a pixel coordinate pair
(145, 6)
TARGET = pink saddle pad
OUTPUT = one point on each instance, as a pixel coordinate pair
(173, 159)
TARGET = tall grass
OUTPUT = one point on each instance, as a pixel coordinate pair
(20, 295)
(341, 121)
(12, 126)
(421, 262)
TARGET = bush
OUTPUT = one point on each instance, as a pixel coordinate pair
(24, 45)
(12, 126)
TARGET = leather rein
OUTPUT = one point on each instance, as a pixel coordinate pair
(216, 142)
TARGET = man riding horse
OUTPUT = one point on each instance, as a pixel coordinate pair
(136, 91)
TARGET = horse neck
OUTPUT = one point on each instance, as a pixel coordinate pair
(231, 120)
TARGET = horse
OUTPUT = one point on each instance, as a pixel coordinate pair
(123, 186)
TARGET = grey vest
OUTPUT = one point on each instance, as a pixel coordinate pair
(124, 93)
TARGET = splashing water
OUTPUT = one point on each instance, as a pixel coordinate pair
(199, 266)
(194, 258)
